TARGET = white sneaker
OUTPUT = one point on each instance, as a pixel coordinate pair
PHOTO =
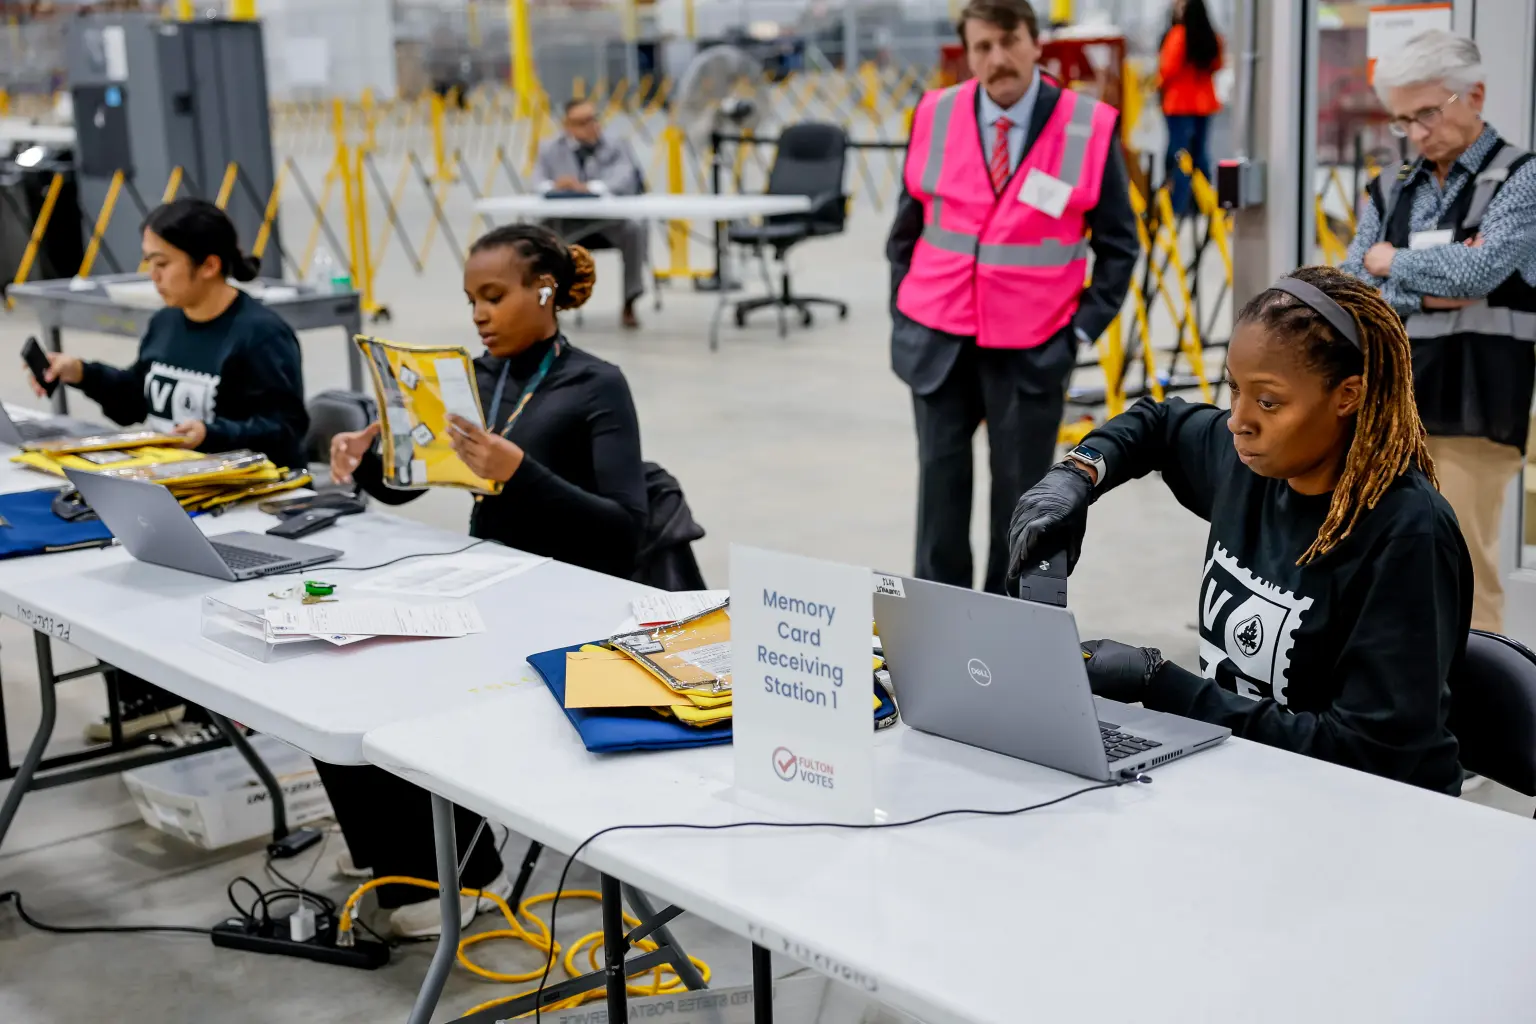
(346, 868)
(425, 919)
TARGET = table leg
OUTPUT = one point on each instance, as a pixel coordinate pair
(722, 296)
(354, 327)
(762, 986)
(34, 754)
(686, 972)
(615, 949)
(274, 791)
(448, 899)
(55, 343)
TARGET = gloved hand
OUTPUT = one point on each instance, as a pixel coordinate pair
(1050, 517)
(1119, 671)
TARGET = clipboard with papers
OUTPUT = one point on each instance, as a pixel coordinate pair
(417, 387)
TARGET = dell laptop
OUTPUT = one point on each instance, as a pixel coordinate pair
(152, 525)
(18, 432)
(1007, 675)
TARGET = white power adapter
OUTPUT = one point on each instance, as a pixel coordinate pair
(301, 923)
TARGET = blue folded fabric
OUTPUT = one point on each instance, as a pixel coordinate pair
(615, 730)
(31, 527)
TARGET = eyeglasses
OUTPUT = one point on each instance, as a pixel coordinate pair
(1426, 119)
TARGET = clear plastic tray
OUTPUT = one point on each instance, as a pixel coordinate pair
(245, 631)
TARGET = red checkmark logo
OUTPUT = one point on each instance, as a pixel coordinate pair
(784, 763)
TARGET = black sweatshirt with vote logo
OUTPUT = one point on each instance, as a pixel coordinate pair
(1347, 658)
(240, 373)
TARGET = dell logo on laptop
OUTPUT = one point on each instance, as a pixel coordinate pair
(979, 673)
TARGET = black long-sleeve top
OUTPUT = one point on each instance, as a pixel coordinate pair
(1347, 658)
(240, 373)
(579, 494)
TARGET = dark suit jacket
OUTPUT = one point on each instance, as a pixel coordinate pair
(923, 357)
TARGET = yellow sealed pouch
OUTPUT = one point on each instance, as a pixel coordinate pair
(202, 470)
(416, 387)
(100, 442)
(694, 654)
(291, 479)
(98, 461)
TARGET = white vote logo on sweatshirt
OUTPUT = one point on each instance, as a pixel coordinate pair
(1249, 623)
(176, 394)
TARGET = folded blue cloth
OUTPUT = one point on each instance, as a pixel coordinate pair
(614, 730)
(28, 526)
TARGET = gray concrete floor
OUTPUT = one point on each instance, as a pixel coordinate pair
(803, 444)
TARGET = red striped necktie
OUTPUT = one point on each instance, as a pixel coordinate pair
(999, 167)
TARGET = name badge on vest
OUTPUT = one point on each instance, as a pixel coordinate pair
(1043, 192)
(1430, 239)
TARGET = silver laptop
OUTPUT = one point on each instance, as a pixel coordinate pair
(17, 432)
(154, 527)
(1007, 675)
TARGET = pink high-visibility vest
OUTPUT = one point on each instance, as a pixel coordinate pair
(990, 265)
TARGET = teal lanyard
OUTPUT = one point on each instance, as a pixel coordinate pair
(556, 350)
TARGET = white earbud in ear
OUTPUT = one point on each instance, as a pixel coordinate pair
(544, 294)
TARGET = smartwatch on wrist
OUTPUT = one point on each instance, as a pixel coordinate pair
(1091, 458)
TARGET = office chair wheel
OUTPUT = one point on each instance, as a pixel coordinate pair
(842, 312)
(806, 319)
(741, 317)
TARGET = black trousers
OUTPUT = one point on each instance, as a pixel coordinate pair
(387, 823)
(1020, 394)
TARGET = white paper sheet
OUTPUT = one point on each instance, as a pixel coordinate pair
(378, 618)
(456, 389)
(668, 607)
(450, 576)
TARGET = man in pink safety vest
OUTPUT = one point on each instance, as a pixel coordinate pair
(1010, 182)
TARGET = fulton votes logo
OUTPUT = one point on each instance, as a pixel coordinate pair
(790, 766)
(978, 671)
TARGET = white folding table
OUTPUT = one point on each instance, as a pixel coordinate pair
(1244, 883)
(654, 206)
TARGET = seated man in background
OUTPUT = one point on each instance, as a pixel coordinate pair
(585, 160)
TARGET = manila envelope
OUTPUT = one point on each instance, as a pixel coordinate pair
(608, 679)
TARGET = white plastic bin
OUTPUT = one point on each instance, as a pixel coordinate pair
(214, 799)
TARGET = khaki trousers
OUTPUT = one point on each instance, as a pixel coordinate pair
(1474, 476)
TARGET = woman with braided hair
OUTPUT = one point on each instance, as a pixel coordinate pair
(561, 435)
(1337, 593)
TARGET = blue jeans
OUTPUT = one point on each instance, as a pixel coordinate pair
(1190, 133)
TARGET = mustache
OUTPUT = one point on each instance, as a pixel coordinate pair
(1003, 73)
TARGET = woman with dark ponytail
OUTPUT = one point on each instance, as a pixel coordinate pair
(215, 367)
(562, 438)
(1188, 59)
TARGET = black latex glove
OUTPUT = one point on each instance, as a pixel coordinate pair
(1050, 517)
(1119, 671)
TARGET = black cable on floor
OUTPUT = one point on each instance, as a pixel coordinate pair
(12, 896)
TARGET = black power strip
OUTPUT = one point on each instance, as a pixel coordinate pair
(254, 937)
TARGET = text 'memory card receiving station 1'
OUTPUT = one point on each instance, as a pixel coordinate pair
(801, 685)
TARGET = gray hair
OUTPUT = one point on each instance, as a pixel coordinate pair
(1433, 56)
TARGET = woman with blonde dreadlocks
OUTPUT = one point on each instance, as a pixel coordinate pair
(1338, 591)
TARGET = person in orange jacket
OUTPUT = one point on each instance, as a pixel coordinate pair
(1188, 60)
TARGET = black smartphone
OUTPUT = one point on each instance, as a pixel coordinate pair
(341, 501)
(305, 523)
(37, 361)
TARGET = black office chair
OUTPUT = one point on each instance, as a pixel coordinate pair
(1493, 711)
(330, 413)
(810, 161)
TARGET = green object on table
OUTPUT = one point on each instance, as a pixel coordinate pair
(315, 588)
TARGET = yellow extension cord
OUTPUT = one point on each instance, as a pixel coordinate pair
(664, 980)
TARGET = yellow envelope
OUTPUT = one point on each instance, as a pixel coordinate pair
(597, 678)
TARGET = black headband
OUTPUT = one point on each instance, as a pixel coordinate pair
(1329, 310)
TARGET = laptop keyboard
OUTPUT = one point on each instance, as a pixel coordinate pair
(31, 431)
(1119, 744)
(240, 559)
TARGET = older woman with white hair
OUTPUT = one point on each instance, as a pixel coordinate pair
(1450, 239)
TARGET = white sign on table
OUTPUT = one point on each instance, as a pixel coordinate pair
(801, 685)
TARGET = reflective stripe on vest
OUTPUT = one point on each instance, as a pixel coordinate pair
(1479, 318)
(1049, 253)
